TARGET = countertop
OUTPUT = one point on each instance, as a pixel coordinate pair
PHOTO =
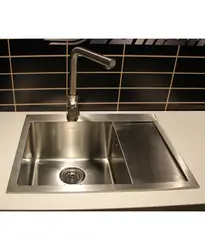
(186, 130)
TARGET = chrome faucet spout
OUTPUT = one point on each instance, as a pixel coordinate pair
(72, 101)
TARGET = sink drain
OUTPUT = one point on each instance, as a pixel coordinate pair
(72, 175)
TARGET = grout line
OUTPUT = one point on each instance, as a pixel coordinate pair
(5, 74)
(186, 102)
(188, 88)
(151, 56)
(3, 105)
(96, 88)
(12, 79)
(39, 104)
(67, 70)
(4, 57)
(189, 73)
(104, 72)
(109, 55)
(145, 88)
(98, 72)
(108, 88)
(101, 103)
(49, 103)
(37, 56)
(172, 78)
(121, 73)
(147, 72)
(141, 103)
(33, 89)
(6, 90)
(39, 73)
(192, 57)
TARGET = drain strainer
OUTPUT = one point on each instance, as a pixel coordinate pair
(72, 175)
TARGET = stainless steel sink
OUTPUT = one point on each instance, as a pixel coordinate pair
(69, 152)
(98, 153)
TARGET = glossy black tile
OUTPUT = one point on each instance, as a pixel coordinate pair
(40, 96)
(146, 80)
(143, 95)
(186, 107)
(3, 47)
(85, 64)
(141, 107)
(105, 49)
(98, 95)
(5, 82)
(141, 64)
(4, 65)
(40, 81)
(150, 50)
(187, 95)
(6, 108)
(41, 108)
(39, 64)
(35, 47)
(192, 51)
(97, 107)
(98, 80)
(6, 97)
(189, 81)
(190, 65)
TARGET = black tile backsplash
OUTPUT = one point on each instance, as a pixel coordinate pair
(42, 107)
(192, 51)
(151, 64)
(3, 47)
(187, 95)
(188, 107)
(98, 107)
(6, 108)
(141, 107)
(40, 96)
(150, 50)
(37, 79)
(39, 64)
(146, 80)
(4, 65)
(190, 65)
(34, 47)
(143, 95)
(5, 82)
(189, 81)
(98, 80)
(95, 95)
(6, 97)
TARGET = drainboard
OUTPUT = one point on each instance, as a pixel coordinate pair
(96, 154)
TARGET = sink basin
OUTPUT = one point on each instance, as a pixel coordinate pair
(96, 154)
(72, 152)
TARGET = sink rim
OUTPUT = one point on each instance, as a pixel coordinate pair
(13, 187)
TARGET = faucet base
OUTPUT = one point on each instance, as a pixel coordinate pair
(72, 108)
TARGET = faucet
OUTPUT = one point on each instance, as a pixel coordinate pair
(72, 99)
